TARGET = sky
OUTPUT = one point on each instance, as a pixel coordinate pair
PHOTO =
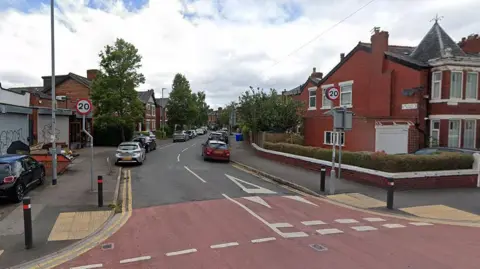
(221, 46)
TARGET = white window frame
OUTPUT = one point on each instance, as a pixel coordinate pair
(452, 85)
(310, 90)
(459, 133)
(475, 89)
(436, 82)
(153, 109)
(342, 134)
(432, 124)
(342, 92)
(147, 109)
(326, 103)
(474, 131)
(153, 127)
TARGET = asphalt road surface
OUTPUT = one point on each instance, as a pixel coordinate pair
(188, 213)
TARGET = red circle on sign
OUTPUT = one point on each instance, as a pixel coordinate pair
(83, 106)
(332, 93)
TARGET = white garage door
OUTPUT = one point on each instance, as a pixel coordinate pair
(391, 138)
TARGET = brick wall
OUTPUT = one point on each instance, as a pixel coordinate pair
(436, 182)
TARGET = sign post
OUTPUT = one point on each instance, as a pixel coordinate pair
(84, 106)
(342, 121)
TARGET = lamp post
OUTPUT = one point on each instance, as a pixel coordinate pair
(54, 100)
(163, 115)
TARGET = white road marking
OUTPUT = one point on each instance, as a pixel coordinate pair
(391, 226)
(421, 223)
(137, 259)
(261, 240)
(178, 158)
(281, 225)
(183, 150)
(1, 252)
(345, 221)
(329, 231)
(193, 173)
(166, 146)
(257, 189)
(363, 228)
(225, 245)
(258, 200)
(181, 252)
(275, 229)
(373, 219)
(91, 266)
(194, 144)
(312, 222)
(299, 198)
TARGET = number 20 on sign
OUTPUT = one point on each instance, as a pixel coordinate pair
(84, 106)
(332, 93)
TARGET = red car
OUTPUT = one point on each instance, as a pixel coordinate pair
(215, 150)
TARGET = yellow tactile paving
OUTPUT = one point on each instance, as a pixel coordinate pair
(441, 212)
(77, 225)
(357, 200)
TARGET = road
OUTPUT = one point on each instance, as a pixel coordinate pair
(188, 213)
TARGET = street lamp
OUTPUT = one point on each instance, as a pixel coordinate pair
(163, 115)
(54, 100)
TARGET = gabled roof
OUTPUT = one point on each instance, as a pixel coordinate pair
(162, 102)
(299, 89)
(434, 45)
(35, 90)
(145, 95)
(62, 78)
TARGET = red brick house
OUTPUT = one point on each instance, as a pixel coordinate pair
(150, 119)
(404, 98)
(162, 117)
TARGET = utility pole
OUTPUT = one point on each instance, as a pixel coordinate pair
(54, 100)
(163, 115)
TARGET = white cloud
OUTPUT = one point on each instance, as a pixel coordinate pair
(223, 46)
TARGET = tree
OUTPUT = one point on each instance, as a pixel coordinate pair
(226, 114)
(201, 113)
(181, 105)
(113, 90)
(261, 111)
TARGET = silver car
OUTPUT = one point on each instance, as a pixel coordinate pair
(180, 136)
(130, 152)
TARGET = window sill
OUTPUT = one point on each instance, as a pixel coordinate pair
(312, 108)
(330, 144)
(326, 107)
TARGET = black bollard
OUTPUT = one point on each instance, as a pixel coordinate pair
(27, 222)
(323, 172)
(100, 191)
(390, 193)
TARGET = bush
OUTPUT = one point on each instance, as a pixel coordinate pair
(110, 134)
(380, 161)
(291, 138)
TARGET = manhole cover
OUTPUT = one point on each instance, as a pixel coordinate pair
(107, 246)
(318, 247)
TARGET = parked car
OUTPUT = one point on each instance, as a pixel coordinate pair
(146, 142)
(18, 174)
(190, 134)
(215, 150)
(216, 136)
(200, 131)
(225, 135)
(436, 150)
(152, 135)
(180, 136)
(130, 152)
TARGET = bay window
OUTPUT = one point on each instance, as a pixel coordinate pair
(456, 85)
(454, 133)
(471, 91)
(469, 133)
(436, 85)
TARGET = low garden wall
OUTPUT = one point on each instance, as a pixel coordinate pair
(445, 170)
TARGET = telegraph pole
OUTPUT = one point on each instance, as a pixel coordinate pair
(54, 100)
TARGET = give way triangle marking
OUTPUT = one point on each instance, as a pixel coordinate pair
(243, 186)
(258, 200)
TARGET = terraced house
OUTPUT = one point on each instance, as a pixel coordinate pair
(150, 119)
(404, 98)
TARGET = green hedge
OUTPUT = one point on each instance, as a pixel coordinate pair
(381, 161)
(110, 135)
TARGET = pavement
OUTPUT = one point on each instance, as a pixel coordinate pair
(446, 204)
(62, 214)
(179, 211)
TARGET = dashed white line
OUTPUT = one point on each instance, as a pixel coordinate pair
(193, 144)
(137, 259)
(281, 225)
(224, 245)
(345, 221)
(392, 226)
(178, 158)
(185, 149)
(1, 252)
(261, 240)
(313, 222)
(421, 223)
(193, 173)
(363, 228)
(181, 252)
(329, 231)
(90, 266)
(373, 219)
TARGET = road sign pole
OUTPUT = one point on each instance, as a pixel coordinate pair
(331, 183)
(54, 101)
(91, 146)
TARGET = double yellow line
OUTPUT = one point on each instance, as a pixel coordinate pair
(101, 235)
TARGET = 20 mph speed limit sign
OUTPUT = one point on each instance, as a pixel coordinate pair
(332, 93)
(84, 106)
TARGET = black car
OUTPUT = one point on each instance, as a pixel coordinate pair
(225, 136)
(18, 173)
(190, 134)
(146, 142)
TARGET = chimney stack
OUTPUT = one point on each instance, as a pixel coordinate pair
(92, 74)
(342, 56)
(470, 44)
